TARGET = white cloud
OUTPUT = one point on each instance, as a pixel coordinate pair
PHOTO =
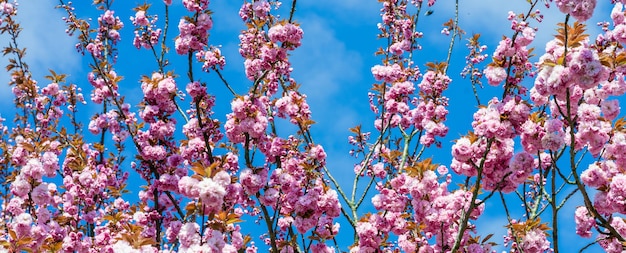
(329, 73)
(47, 45)
(349, 11)
(489, 17)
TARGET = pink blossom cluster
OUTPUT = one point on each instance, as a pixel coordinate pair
(103, 89)
(159, 91)
(430, 112)
(611, 244)
(584, 222)
(581, 10)
(511, 57)
(108, 31)
(50, 102)
(269, 62)
(249, 119)
(550, 135)
(266, 52)
(257, 10)
(388, 73)
(213, 240)
(475, 57)
(397, 25)
(155, 143)
(606, 175)
(110, 121)
(146, 33)
(196, 5)
(593, 132)
(490, 147)
(289, 35)
(7, 8)
(194, 34)
(395, 102)
(201, 129)
(211, 58)
(293, 106)
(618, 33)
(294, 190)
(583, 70)
(532, 240)
(501, 119)
(435, 208)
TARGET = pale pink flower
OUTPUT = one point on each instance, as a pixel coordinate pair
(610, 108)
(584, 222)
(211, 194)
(189, 235)
(495, 75)
(535, 241)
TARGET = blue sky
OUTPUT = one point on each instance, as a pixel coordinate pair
(333, 66)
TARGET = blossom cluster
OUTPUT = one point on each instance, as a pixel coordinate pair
(511, 59)
(194, 34)
(109, 27)
(580, 10)
(146, 33)
(265, 53)
(66, 191)
(436, 210)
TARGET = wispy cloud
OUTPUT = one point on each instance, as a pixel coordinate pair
(331, 74)
(489, 17)
(47, 45)
(347, 11)
(328, 70)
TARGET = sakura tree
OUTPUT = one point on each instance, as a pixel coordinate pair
(173, 173)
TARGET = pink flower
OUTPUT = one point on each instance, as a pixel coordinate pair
(588, 112)
(535, 241)
(41, 194)
(584, 222)
(211, 58)
(189, 235)
(33, 169)
(211, 194)
(50, 163)
(140, 19)
(261, 8)
(287, 33)
(368, 236)
(495, 75)
(187, 186)
(172, 230)
(388, 74)
(168, 182)
(7, 8)
(251, 182)
(196, 5)
(123, 246)
(22, 224)
(461, 150)
(579, 9)
(610, 108)
(155, 153)
(322, 248)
